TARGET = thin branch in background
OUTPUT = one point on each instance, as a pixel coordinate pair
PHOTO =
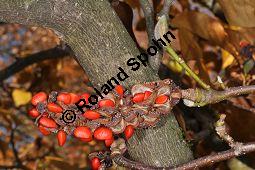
(201, 97)
(22, 63)
(15, 152)
(122, 161)
(221, 130)
(148, 11)
(149, 18)
(8, 167)
(18, 162)
(165, 9)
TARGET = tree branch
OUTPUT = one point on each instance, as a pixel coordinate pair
(31, 59)
(201, 97)
(165, 9)
(122, 161)
(149, 18)
(15, 152)
(218, 157)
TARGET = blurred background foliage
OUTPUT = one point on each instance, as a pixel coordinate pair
(215, 38)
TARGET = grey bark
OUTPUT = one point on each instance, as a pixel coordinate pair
(101, 45)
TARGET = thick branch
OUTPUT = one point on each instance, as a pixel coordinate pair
(22, 63)
(201, 97)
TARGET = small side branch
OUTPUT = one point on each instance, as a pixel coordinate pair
(22, 63)
(165, 9)
(122, 161)
(149, 18)
(148, 11)
(218, 157)
(201, 97)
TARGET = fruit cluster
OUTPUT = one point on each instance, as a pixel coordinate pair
(120, 111)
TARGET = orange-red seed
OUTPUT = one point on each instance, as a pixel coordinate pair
(106, 103)
(39, 97)
(52, 107)
(103, 133)
(95, 163)
(92, 115)
(83, 132)
(33, 113)
(47, 122)
(129, 131)
(138, 97)
(161, 99)
(61, 137)
(64, 97)
(119, 89)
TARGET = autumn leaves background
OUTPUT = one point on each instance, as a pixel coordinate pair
(215, 38)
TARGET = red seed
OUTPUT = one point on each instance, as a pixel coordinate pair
(161, 99)
(47, 122)
(52, 107)
(119, 89)
(106, 103)
(43, 130)
(74, 98)
(147, 94)
(108, 142)
(92, 115)
(95, 163)
(243, 43)
(103, 133)
(38, 97)
(64, 97)
(83, 132)
(138, 97)
(33, 113)
(86, 97)
(61, 137)
(129, 131)
(86, 140)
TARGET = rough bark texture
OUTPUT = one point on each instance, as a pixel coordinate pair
(101, 45)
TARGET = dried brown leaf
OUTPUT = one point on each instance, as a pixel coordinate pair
(202, 25)
(239, 13)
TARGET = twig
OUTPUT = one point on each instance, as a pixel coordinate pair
(15, 152)
(218, 157)
(18, 162)
(149, 18)
(148, 11)
(221, 130)
(180, 61)
(122, 161)
(9, 167)
(201, 97)
(34, 58)
(165, 9)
